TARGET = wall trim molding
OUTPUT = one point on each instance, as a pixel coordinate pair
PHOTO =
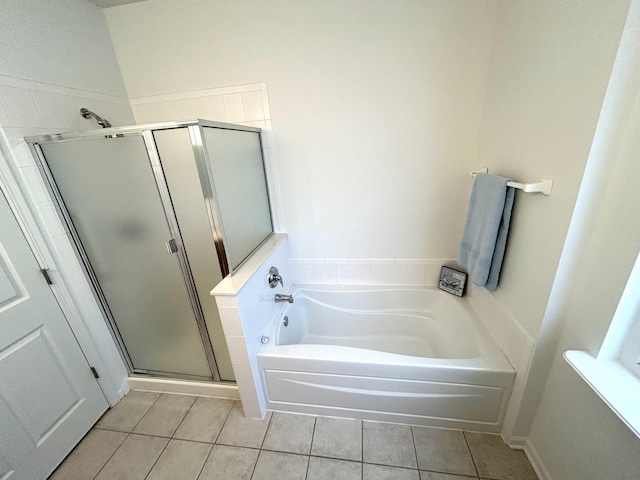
(515, 442)
(25, 84)
(205, 92)
(536, 461)
(184, 387)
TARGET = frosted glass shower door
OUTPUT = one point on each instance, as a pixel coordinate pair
(241, 190)
(110, 193)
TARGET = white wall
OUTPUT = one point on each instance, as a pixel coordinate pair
(56, 57)
(549, 70)
(63, 43)
(375, 106)
(550, 66)
(575, 434)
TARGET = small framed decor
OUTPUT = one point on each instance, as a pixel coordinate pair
(452, 281)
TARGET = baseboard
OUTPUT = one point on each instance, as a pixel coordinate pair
(166, 385)
(516, 443)
(536, 461)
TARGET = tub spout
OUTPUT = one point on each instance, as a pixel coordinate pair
(278, 297)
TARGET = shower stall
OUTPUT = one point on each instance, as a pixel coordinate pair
(158, 214)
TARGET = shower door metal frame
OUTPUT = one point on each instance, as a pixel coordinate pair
(204, 165)
(208, 189)
(165, 202)
(196, 134)
(183, 260)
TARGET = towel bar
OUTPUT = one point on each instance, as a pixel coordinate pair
(543, 186)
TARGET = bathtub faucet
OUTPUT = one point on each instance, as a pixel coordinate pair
(278, 297)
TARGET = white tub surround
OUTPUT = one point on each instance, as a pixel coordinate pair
(402, 354)
(415, 272)
(247, 307)
(516, 344)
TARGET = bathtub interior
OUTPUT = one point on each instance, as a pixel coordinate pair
(420, 323)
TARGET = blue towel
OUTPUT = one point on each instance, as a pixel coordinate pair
(485, 231)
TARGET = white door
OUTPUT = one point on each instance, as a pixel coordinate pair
(49, 397)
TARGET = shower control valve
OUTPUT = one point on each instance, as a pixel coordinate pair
(274, 278)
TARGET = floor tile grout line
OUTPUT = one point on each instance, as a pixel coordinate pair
(154, 463)
(466, 442)
(226, 418)
(315, 419)
(145, 413)
(205, 461)
(266, 430)
(185, 415)
(415, 449)
(263, 438)
(111, 456)
(404, 467)
(255, 465)
(160, 436)
(362, 440)
(306, 473)
(313, 433)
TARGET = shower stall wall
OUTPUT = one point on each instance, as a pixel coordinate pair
(159, 214)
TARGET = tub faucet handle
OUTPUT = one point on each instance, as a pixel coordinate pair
(274, 278)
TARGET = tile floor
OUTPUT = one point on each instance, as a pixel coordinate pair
(156, 436)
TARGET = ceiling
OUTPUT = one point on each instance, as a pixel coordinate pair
(112, 3)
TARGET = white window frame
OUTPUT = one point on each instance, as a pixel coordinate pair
(614, 374)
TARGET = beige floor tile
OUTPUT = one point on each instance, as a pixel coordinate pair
(181, 460)
(205, 419)
(442, 450)
(338, 438)
(134, 459)
(380, 472)
(163, 418)
(321, 468)
(443, 476)
(388, 444)
(230, 463)
(128, 412)
(290, 433)
(494, 459)
(89, 456)
(280, 466)
(241, 431)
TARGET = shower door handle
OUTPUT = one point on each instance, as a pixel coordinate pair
(172, 247)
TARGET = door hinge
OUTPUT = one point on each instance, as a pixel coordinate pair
(172, 246)
(45, 274)
(95, 372)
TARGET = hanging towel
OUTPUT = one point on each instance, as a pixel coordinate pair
(485, 231)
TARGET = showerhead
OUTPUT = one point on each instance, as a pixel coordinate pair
(103, 122)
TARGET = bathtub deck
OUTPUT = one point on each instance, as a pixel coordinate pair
(157, 437)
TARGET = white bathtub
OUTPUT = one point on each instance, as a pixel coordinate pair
(413, 355)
